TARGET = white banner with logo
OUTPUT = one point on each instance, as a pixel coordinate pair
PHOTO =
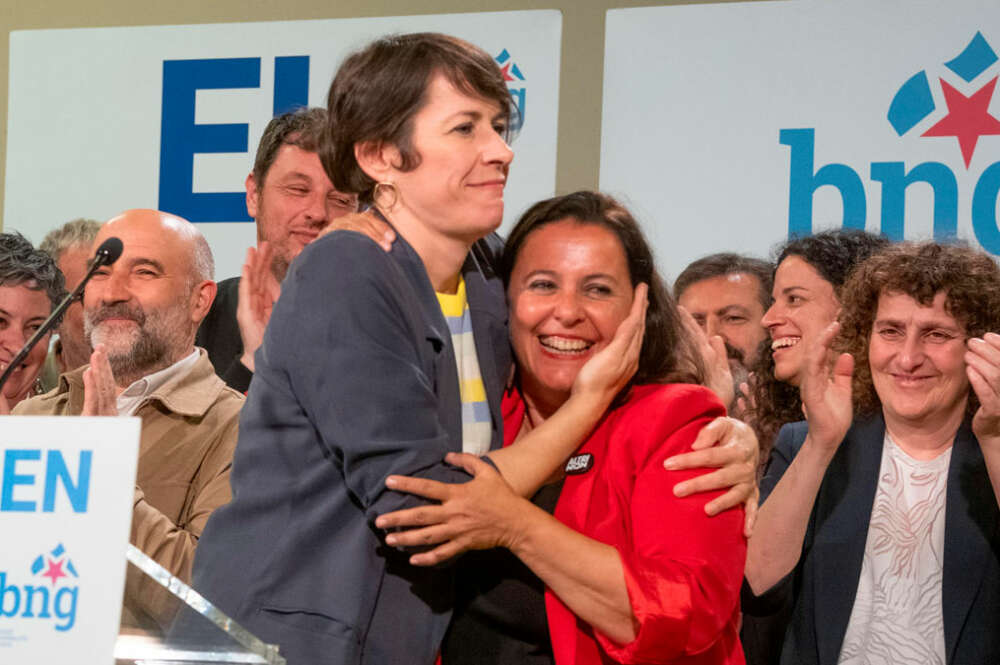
(169, 117)
(66, 487)
(728, 127)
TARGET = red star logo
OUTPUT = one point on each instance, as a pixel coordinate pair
(55, 571)
(505, 70)
(968, 118)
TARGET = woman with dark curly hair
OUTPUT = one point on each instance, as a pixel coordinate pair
(810, 272)
(880, 523)
(30, 288)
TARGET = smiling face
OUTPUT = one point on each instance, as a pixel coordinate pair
(569, 289)
(22, 311)
(729, 306)
(295, 202)
(916, 354)
(146, 306)
(804, 304)
(456, 192)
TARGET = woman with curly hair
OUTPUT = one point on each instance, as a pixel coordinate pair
(808, 279)
(879, 528)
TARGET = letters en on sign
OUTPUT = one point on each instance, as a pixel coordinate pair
(66, 487)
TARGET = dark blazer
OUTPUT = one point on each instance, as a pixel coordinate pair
(219, 334)
(822, 587)
(356, 380)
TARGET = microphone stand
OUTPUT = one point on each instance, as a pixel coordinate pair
(105, 255)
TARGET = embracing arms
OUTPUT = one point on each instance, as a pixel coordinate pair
(652, 575)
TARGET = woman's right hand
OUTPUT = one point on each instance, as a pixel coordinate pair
(480, 514)
(611, 368)
(826, 390)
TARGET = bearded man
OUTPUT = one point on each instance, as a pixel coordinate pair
(291, 199)
(140, 315)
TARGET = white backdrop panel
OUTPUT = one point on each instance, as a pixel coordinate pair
(87, 108)
(696, 99)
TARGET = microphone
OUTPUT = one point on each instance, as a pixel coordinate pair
(106, 254)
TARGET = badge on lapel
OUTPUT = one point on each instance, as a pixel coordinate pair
(579, 464)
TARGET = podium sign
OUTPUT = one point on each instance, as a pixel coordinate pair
(66, 488)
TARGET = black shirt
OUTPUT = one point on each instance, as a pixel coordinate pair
(500, 607)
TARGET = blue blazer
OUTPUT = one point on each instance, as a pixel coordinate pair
(356, 380)
(820, 592)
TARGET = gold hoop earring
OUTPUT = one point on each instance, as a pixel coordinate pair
(382, 189)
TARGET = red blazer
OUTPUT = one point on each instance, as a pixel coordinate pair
(683, 569)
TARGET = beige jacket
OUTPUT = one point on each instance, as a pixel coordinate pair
(189, 429)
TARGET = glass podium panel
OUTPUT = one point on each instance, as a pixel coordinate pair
(208, 635)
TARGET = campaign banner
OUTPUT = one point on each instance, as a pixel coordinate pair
(730, 127)
(66, 489)
(105, 119)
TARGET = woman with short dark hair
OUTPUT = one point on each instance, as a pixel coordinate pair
(31, 286)
(376, 363)
(380, 363)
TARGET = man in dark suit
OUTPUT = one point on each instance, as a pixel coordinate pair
(291, 200)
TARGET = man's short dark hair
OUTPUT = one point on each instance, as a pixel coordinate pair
(23, 265)
(302, 128)
(728, 263)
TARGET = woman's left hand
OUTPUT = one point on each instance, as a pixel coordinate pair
(480, 514)
(731, 447)
(983, 369)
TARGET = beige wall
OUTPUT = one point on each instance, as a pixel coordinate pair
(582, 49)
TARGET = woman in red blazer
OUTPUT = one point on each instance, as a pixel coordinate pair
(630, 572)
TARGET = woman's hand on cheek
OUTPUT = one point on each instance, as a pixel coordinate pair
(611, 368)
(480, 514)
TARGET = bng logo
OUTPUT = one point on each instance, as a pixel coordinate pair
(965, 119)
(514, 79)
(49, 594)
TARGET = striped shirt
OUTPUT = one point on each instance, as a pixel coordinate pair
(476, 427)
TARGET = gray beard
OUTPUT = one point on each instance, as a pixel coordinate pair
(147, 355)
(154, 346)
